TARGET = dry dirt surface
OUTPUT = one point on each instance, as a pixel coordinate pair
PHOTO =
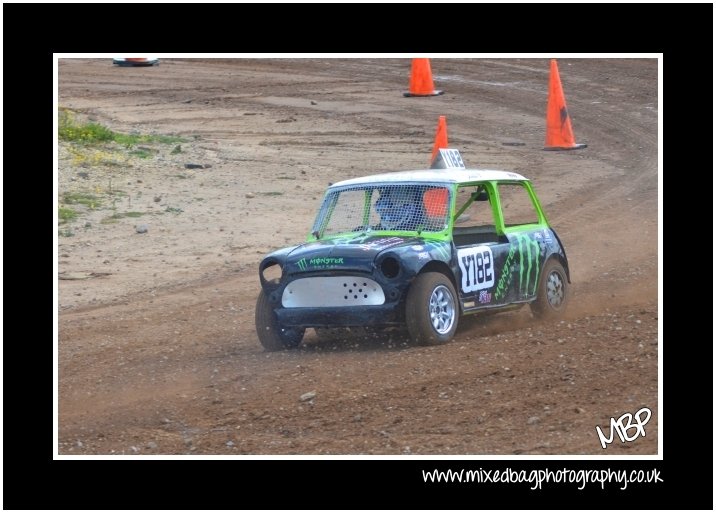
(157, 350)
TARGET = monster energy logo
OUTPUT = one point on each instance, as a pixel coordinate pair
(318, 262)
(528, 251)
(326, 261)
(530, 256)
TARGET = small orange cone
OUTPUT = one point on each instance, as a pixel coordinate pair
(559, 126)
(135, 61)
(421, 79)
(440, 137)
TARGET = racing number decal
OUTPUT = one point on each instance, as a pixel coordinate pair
(477, 270)
(452, 158)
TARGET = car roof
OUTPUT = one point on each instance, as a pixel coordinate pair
(447, 176)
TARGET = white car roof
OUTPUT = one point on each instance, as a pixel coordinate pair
(447, 176)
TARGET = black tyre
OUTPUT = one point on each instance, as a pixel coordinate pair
(552, 292)
(271, 334)
(432, 309)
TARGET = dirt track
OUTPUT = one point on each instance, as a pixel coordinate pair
(157, 349)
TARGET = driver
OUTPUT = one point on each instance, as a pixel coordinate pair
(400, 208)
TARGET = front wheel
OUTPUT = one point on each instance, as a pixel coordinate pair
(431, 309)
(552, 293)
(272, 335)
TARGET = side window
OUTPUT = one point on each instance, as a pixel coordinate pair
(478, 213)
(517, 206)
(475, 223)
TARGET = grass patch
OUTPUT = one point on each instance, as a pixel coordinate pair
(87, 133)
(66, 233)
(174, 210)
(81, 198)
(66, 214)
(176, 150)
(272, 193)
(92, 133)
(283, 177)
(83, 156)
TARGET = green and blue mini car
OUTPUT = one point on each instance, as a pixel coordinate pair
(416, 249)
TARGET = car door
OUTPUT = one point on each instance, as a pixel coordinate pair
(481, 250)
(523, 225)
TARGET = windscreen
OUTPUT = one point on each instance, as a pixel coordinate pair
(391, 207)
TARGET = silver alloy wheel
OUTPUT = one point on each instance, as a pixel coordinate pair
(442, 309)
(555, 290)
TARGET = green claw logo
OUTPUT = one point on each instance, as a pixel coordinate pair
(528, 250)
(531, 251)
(302, 264)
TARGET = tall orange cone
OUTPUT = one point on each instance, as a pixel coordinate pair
(559, 126)
(440, 137)
(421, 79)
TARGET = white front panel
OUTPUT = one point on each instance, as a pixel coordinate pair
(332, 291)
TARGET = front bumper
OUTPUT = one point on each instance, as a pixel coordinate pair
(338, 300)
(389, 314)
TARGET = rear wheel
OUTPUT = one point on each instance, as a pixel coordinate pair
(431, 309)
(552, 293)
(272, 335)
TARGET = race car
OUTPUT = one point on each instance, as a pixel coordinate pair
(415, 249)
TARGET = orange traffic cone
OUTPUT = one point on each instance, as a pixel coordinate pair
(559, 126)
(135, 61)
(440, 137)
(421, 79)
